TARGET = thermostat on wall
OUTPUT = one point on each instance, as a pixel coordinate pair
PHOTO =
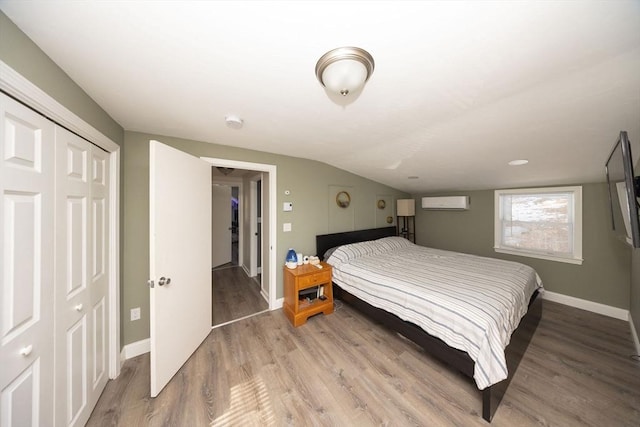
(288, 207)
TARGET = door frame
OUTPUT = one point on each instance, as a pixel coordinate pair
(20, 88)
(253, 229)
(271, 170)
(253, 221)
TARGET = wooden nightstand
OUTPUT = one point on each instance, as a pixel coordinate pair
(300, 300)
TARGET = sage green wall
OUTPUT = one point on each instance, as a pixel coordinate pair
(603, 277)
(24, 56)
(307, 180)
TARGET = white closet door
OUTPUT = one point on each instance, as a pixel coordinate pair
(81, 277)
(26, 266)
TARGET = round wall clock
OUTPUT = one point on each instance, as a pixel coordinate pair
(343, 199)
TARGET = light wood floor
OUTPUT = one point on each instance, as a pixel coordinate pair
(234, 294)
(344, 370)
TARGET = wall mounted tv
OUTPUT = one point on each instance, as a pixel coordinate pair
(624, 189)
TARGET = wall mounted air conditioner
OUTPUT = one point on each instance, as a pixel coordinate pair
(446, 202)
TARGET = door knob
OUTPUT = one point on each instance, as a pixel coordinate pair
(78, 307)
(26, 350)
(164, 281)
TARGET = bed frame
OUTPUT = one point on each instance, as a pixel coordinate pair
(491, 396)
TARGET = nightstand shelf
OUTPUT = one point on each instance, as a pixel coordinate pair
(303, 287)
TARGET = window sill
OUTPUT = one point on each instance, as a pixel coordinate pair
(577, 261)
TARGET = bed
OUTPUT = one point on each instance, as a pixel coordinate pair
(397, 304)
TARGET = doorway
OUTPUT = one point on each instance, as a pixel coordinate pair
(238, 288)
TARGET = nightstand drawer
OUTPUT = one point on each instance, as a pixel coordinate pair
(314, 279)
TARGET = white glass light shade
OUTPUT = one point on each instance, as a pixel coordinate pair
(406, 207)
(345, 76)
(344, 70)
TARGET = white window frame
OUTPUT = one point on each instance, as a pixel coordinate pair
(575, 257)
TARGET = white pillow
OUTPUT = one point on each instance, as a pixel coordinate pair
(389, 244)
(352, 251)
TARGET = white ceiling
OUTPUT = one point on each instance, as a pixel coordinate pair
(459, 88)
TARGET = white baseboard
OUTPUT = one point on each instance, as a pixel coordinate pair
(595, 307)
(278, 304)
(135, 349)
(634, 334)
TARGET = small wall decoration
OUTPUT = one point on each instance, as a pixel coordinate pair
(343, 199)
(381, 204)
(389, 220)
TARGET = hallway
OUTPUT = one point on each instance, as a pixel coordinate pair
(234, 294)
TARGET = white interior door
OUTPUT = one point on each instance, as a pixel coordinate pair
(220, 224)
(180, 250)
(26, 266)
(82, 277)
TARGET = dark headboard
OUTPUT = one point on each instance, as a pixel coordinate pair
(325, 242)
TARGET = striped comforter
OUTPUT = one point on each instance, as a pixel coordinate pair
(472, 303)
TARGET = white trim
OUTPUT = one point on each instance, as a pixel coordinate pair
(279, 303)
(539, 256)
(575, 257)
(595, 307)
(253, 230)
(114, 264)
(634, 334)
(16, 85)
(22, 89)
(246, 271)
(273, 237)
(239, 319)
(134, 349)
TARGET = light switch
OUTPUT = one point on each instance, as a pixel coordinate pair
(286, 226)
(287, 207)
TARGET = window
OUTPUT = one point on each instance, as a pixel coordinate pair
(540, 222)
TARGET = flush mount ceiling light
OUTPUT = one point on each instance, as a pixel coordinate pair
(518, 162)
(344, 70)
(225, 171)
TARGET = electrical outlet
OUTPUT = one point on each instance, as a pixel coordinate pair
(135, 313)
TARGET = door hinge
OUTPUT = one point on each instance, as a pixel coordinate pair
(150, 283)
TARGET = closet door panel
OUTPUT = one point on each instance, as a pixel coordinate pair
(82, 278)
(26, 265)
(99, 277)
(76, 247)
(99, 349)
(73, 255)
(76, 374)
